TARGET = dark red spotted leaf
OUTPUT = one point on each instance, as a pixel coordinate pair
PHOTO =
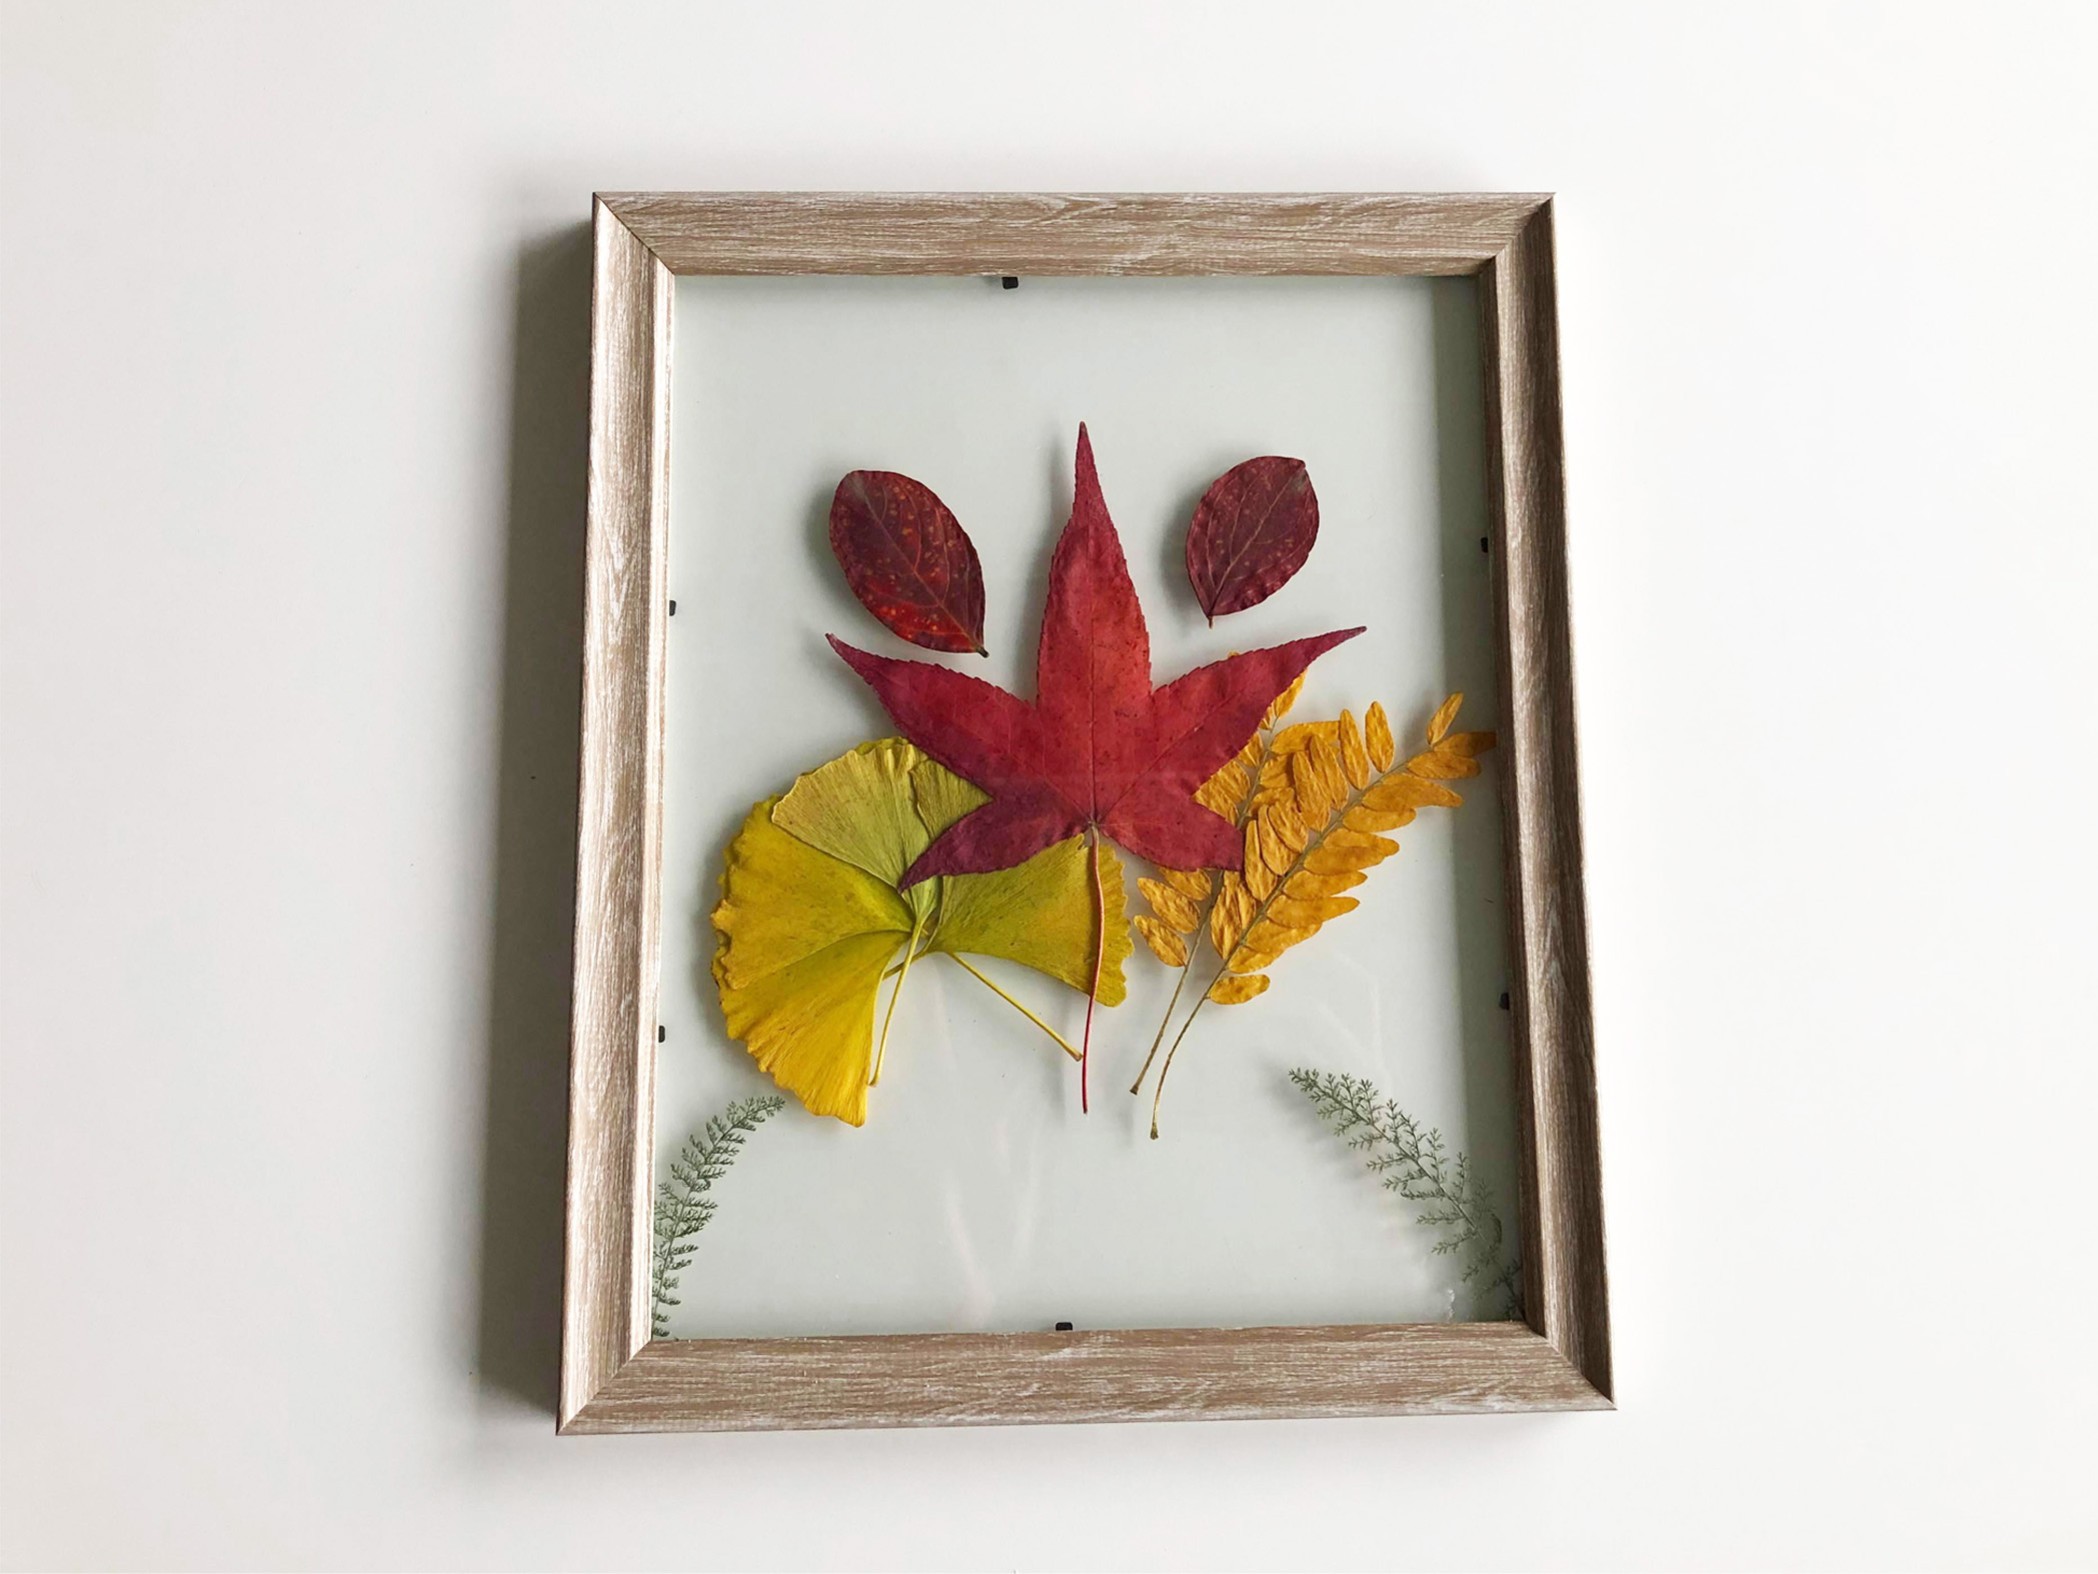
(908, 560)
(1252, 530)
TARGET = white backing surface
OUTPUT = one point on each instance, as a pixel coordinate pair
(292, 307)
(976, 1196)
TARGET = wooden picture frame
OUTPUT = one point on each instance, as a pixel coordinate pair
(613, 1378)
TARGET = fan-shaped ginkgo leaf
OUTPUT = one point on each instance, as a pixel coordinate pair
(811, 918)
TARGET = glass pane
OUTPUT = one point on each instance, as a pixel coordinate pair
(977, 1196)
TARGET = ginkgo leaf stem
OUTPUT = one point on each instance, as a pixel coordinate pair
(985, 979)
(1092, 998)
(881, 1047)
(991, 984)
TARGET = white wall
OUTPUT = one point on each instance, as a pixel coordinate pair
(294, 314)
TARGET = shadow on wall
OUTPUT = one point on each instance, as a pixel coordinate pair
(1471, 621)
(518, 1347)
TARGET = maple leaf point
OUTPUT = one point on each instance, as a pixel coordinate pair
(1099, 747)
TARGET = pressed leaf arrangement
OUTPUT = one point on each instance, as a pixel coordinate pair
(990, 826)
(1100, 751)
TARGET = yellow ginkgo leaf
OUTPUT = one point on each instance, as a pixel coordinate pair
(859, 808)
(811, 1025)
(810, 916)
(783, 900)
(937, 796)
(1041, 915)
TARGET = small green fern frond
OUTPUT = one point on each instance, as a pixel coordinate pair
(684, 1203)
(1413, 1161)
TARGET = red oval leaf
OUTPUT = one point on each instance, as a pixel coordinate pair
(908, 560)
(1252, 530)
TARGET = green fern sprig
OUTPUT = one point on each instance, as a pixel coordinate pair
(1413, 1161)
(684, 1204)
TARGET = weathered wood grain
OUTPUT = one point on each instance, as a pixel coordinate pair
(611, 1379)
(1039, 233)
(1562, 1220)
(1182, 1374)
(611, 1103)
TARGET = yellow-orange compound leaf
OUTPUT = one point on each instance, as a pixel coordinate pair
(1309, 800)
(1445, 713)
(1324, 793)
(810, 917)
(1237, 990)
(1167, 944)
(1376, 727)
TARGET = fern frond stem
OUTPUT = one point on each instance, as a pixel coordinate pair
(1245, 807)
(1166, 1021)
(986, 980)
(1259, 913)
(1165, 1070)
(910, 955)
(1092, 997)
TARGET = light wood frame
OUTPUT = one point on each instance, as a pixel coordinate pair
(613, 1378)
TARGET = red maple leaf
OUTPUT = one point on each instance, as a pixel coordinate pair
(1100, 750)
